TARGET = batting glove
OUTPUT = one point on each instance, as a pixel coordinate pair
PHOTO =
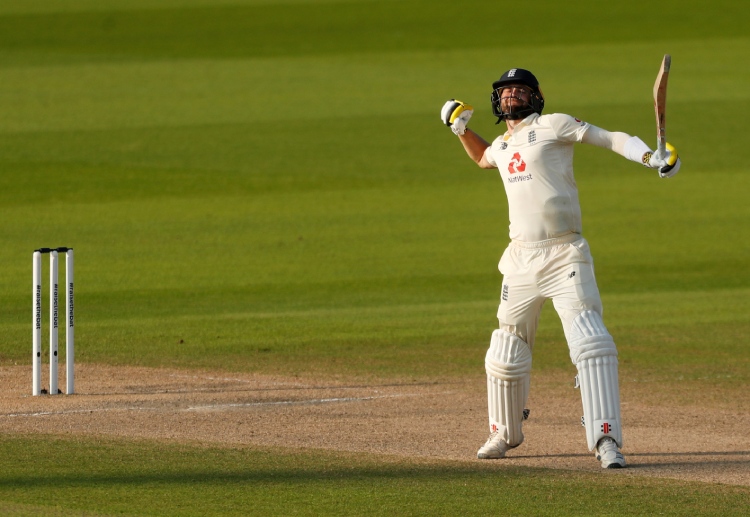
(666, 162)
(456, 114)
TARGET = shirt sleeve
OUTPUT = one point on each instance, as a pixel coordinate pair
(488, 156)
(567, 128)
(631, 147)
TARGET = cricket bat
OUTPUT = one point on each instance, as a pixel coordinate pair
(660, 102)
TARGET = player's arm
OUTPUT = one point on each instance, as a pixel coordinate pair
(456, 114)
(634, 149)
(475, 147)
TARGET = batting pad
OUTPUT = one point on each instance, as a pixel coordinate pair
(508, 366)
(593, 351)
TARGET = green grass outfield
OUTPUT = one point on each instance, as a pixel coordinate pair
(145, 478)
(265, 186)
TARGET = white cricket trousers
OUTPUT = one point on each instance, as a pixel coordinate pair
(560, 269)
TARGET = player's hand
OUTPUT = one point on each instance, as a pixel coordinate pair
(666, 162)
(456, 114)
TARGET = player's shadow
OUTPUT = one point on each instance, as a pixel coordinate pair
(539, 456)
(735, 458)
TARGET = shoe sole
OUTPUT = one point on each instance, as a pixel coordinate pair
(613, 465)
(488, 457)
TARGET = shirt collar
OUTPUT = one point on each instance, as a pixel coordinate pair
(525, 122)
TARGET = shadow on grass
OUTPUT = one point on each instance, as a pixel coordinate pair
(267, 476)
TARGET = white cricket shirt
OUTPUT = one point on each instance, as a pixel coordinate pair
(536, 166)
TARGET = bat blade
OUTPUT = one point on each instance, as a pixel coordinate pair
(660, 102)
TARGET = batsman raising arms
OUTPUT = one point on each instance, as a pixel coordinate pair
(547, 258)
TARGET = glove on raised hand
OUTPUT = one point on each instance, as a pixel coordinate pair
(456, 114)
(666, 162)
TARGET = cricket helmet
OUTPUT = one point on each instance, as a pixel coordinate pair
(517, 76)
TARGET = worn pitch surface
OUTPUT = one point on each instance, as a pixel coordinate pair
(433, 420)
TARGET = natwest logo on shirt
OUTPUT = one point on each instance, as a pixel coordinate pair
(516, 164)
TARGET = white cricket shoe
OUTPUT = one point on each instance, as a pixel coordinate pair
(494, 448)
(608, 453)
